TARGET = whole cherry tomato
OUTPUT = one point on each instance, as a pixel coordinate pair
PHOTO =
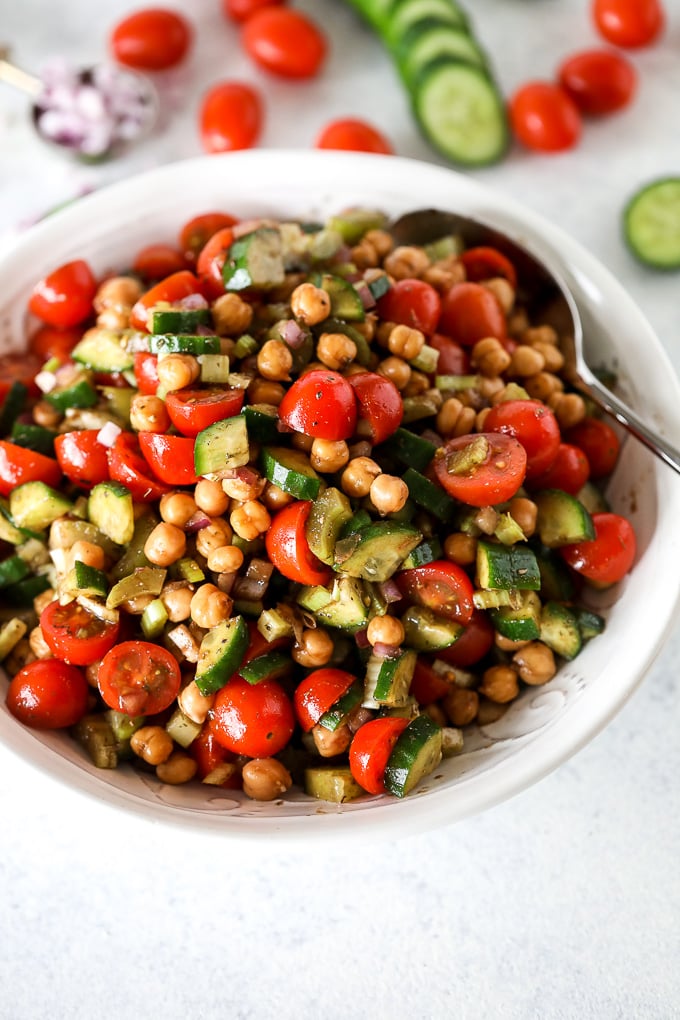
(191, 411)
(599, 442)
(139, 678)
(473, 644)
(171, 290)
(441, 586)
(82, 458)
(544, 117)
(19, 464)
(412, 303)
(241, 10)
(569, 471)
(484, 262)
(470, 312)
(211, 259)
(284, 41)
(318, 692)
(48, 342)
(196, 232)
(599, 81)
(534, 425)
(171, 458)
(322, 404)
(253, 719)
(48, 695)
(608, 557)
(370, 750)
(380, 404)
(157, 261)
(75, 635)
(231, 117)
(353, 135)
(151, 40)
(64, 297)
(482, 468)
(629, 23)
(288, 548)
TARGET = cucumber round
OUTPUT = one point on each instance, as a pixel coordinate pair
(651, 222)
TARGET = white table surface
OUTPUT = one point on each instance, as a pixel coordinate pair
(563, 902)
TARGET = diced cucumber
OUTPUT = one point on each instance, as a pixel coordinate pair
(415, 755)
(179, 320)
(80, 392)
(326, 518)
(521, 623)
(340, 709)
(12, 406)
(85, 580)
(134, 556)
(11, 634)
(221, 447)
(95, 735)
(507, 566)
(291, 471)
(379, 286)
(589, 623)
(187, 569)
(255, 261)
(333, 783)
(34, 437)
(593, 499)
(111, 509)
(270, 666)
(220, 655)
(561, 519)
(345, 300)
(343, 606)
(376, 552)
(103, 350)
(429, 550)
(66, 531)
(170, 343)
(556, 581)
(560, 631)
(429, 496)
(427, 632)
(411, 449)
(144, 581)
(272, 625)
(25, 591)
(214, 368)
(35, 505)
(261, 423)
(182, 729)
(8, 530)
(361, 519)
(353, 223)
(154, 619)
(388, 681)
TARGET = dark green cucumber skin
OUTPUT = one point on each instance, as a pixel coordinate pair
(291, 480)
(429, 496)
(34, 437)
(175, 343)
(261, 426)
(179, 320)
(410, 449)
(406, 751)
(12, 406)
(12, 570)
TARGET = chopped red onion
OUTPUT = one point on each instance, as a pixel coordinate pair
(432, 437)
(364, 292)
(247, 475)
(386, 651)
(197, 522)
(108, 433)
(389, 590)
(292, 333)
(225, 582)
(193, 301)
(361, 638)
(254, 584)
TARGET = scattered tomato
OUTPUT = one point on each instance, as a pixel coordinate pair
(470, 312)
(241, 10)
(534, 425)
(484, 262)
(196, 232)
(476, 640)
(231, 117)
(146, 373)
(370, 750)
(284, 41)
(318, 692)
(413, 303)
(599, 81)
(171, 458)
(211, 259)
(544, 117)
(191, 411)
(172, 290)
(569, 471)
(629, 23)
(322, 404)
(482, 468)
(49, 342)
(19, 464)
(153, 39)
(379, 404)
(353, 135)
(599, 442)
(127, 466)
(157, 261)
(82, 458)
(441, 586)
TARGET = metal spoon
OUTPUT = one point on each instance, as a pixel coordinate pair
(543, 288)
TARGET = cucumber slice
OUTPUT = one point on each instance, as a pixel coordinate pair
(154, 619)
(590, 624)
(8, 529)
(102, 350)
(144, 581)
(556, 581)
(255, 261)
(179, 320)
(291, 471)
(406, 14)
(559, 630)
(270, 666)
(78, 393)
(429, 496)
(168, 343)
(353, 223)
(345, 300)
(222, 446)
(343, 607)
(388, 681)
(340, 709)
(111, 509)
(95, 735)
(11, 634)
(651, 224)
(35, 505)
(522, 623)
(430, 39)
(334, 783)
(85, 580)
(427, 632)
(376, 552)
(326, 518)
(134, 555)
(562, 519)
(182, 729)
(261, 422)
(416, 754)
(220, 655)
(429, 550)
(508, 567)
(25, 591)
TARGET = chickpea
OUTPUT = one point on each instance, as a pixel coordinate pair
(89, 553)
(244, 488)
(461, 705)
(490, 386)
(489, 356)
(38, 645)
(217, 534)
(265, 779)
(540, 335)
(406, 342)
(46, 415)
(231, 315)
(149, 414)
(152, 743)
(365, 255)
(552, 356)
(385, 630)
(274, 498)
(165, 545)
(226, 559)
(211, 498)
(436, 714)
(454, 419)
(503, 291)
(92, 672)
(275, 360)
(210, 606)
(314, 648)
(507, 644)
(543, 385)
(176, 371)
(524, 512)
(331, 742)
(460, 548)
(406, 261)
(396, 370)
(177, 508)
(335, 350)
(526, 361)
(418, 383)
(265, 391)
(118, 293)
(358, 476)
(381, 240)
(388, 494)
(250, 520)
(177, 601)
(179, 768)
(310, 304)
(43, 600)
(328, 455)
(500, 684)
(536, 663)
(569, 408)
(193, 703)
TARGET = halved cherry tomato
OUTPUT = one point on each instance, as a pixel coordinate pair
(412, 303)
(478, 478)
(370, 750)
(253, 719)
(599, 442)
(453, 359)
(82, 458)
(211, 259)
(470, 312)
(196, 233)
(608, 557)
(64, 297)
(48, 695)
(288, 548)
(153, 39)
(191, 411)
(380, 404)
(317, 692)
(157, 261)
(427, 685)
(441, 586)
(241, 10)
(146, 373)
(76, 635)
(230, 117)
(599, 81)
(569, 471)
(19, 464)
(544, 117)
(171, 290)
(127, 466)
(285, 42)
(483, 262)
(473, 644)
(49, 342)
(534, 425)
(139, 678)
(349, 134)
(322, 404)
(629, 23)
(171, 458)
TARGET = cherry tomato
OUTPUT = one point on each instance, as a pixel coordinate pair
(76, 635)
(629, 23)
(544, 117)
(241, 10)
(82, 458)
(470, 312)
(317, 692)
(48, 695)
(427, 685)
(608, 557)
(127, 466)
(258, 645)
(172, 291)
(288, 548)
(453, 359)
(480, 478)
(352, 135)
(196, 233)
(151, 40)
(138, 678)
(64, 297)
(441, 586)
(534, 425)
(483, 262)
(157, 261)
(285, 42)
(19, 464)
(231, 117)
(569, 471)
(211, 259)
(322, 404)
(412, 303)
(599, 442)
(253, 719)
(370, 750)
(473, 644)
(146, 373)
(380, 404)
(209, 754)
(191, 411)
(171, 458)
(599, 81)
(48, 342)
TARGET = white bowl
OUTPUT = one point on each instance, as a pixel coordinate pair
(545, 725)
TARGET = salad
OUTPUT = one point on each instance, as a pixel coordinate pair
(287, 502)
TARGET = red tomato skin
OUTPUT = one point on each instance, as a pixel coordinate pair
(317, 692)
(208, 753)
(349, 134)
(599, 442)
(441, 586)
(427, 685)
(82, 458)
(288, 549)
(231, 117)
(534, 425)
(370, 750)
(191, 411)
(146, 373)
(139, 678)
(322, 404)
(488, 483)
(284, 41)
(62, 630)
(21, 368)
(172, 289)
(544, 117)
(197, 231)
(49, 342)
(482, 263)
(157, 261)
(127, 466)
(152, 39)
(19, 465)
(476, 640)
(470, 312)
(253, 719)
(598, 81)
(241, 10)
(608, 557)
(629, 23)
(453, 359)
(569, 471)
(379, 402)
(211, 259)
(64, 297)
(412, 303)
(48, 695)
(171, 458)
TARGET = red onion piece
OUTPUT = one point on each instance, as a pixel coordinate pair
(108, 433)
(386, 651)
(247, 475)
(432, 437)
(364, 292)
(197, 522)
(193, 301)
(255, 582)
(361, 639)
(389, 590)
(225, 582)
(292, 333)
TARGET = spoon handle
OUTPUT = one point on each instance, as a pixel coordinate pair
(19, 79)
